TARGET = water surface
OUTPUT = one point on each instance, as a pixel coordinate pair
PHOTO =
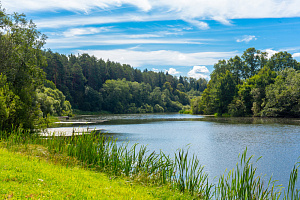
(216, 141)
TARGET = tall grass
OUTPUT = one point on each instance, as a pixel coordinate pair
(243, 183)
(184, 173)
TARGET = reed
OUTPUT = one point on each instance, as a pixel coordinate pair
(190, 175)
(185, 173)
(243, 183)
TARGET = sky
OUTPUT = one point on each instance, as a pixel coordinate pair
(183, 37)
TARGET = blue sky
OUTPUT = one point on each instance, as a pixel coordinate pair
(185, 37)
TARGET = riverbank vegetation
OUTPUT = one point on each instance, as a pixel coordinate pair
(182, 178)
(252, 85)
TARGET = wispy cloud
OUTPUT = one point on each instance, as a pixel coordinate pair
(247, 38)
(71, 21)
(84, 31)
(198, 24)
(156, 58)
(189, 10)
(74, 5)
(95, 40)
(199, 72)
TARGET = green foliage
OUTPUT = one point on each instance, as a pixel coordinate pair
(159, 109)
(243, 86)
(121, 96)
(20, 58)
(52, 101)
(282, 60)
(91, 84)
(24, 101)
(186, 110)
(237, 108)
(283, 97)
(10, 104)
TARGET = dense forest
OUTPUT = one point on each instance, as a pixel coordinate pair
(92, 84)
(253, 85)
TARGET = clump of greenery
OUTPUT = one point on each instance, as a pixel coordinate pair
(252, 85)
(186, 110)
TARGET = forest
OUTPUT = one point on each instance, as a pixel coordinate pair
(36, 83)
(92, 84)
(252, 85)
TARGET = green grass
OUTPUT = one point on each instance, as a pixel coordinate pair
(23, 176)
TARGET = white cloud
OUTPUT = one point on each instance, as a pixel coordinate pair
(270, 52)
(199, 72)
(172, 71)
(74, 5)
(82, 41)
(198, 24)
(165, 57)
(84, 31)
(155, 70)
(194, 10)
(247, 38)
(70, 21)
(295, 55)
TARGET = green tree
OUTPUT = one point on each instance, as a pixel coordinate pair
(20, 61)
(282, 60)
(251, 94)
(226, 90)
(9, 105)
(283, 95)
(253, 60)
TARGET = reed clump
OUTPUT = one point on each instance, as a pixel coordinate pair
(185, 173)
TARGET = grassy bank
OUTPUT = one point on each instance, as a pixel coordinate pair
(150, 169)
(31, 177)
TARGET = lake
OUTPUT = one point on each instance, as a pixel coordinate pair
(217, 142)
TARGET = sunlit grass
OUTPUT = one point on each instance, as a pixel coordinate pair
(24, 177)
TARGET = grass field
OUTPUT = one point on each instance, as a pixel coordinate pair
(23, 176)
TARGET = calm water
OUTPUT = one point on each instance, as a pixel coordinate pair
(216, 141)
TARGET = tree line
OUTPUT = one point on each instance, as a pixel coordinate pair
(253, 85)
(92, 84)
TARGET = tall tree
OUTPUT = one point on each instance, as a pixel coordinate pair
(20, 61)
